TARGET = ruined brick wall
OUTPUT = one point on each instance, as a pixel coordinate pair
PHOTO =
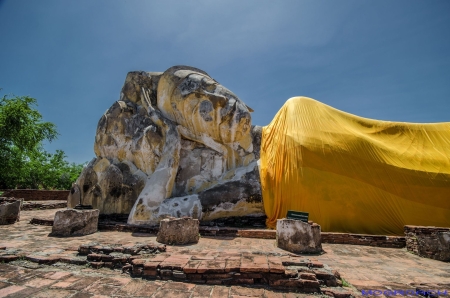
(367, 240)
(429, 242)
(37, 195)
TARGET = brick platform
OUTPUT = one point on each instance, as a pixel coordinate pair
(360, 239)
(40, 205)
(59, 281)
(327, 237)
(151, 260)
(364, 267)
(37, 195)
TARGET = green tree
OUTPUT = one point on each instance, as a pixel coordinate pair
(23, 161)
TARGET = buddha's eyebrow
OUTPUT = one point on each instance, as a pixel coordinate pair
(209, 83)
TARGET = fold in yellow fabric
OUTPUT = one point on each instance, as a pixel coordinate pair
(354, 174)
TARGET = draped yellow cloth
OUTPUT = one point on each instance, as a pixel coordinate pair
(354, 174)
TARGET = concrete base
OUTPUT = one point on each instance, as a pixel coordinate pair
(298, 237)
(72, 222)
(178, 231)
(10, 210)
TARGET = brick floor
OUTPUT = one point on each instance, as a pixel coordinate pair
(362, 266)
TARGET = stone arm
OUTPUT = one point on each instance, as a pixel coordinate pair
(160, 183)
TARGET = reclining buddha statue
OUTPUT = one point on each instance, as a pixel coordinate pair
(180, 144)
(176, 144)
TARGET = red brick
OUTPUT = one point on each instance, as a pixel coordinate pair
(62, 284)
(261, 267)
(211, 267)
(336, 292)
(42, 259)
(308, 276)
(54, 293)
(137, 271)
(179, 286)
(83, 283)
(202, 258)
(96, 265)
(115, 281)
(159, 258)
(202, 291)
(73, 260)
(107, 258)
(10, 290)
(150, 272)
(180, 256)
(150, 265)
(148, 288)
(214, 282)
(94, 257)
(271, 294)
(39, 282)
(130, 288)
(138, 262)
(212, 276)
(241, 281)
(165, 293)
(8, 258)
(290, 273)
(245, 291)
(316, 264)
(260, 260)
(233, 266)
(248, 275)
(173, 263)
(102, 289)
(275, 268)
(191, 267)
(194, 276)
(220, 292)
(131, 258)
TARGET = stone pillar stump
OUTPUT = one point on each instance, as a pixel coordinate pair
(178, 231)
(298, 237)
(10, 210)
(73, 222)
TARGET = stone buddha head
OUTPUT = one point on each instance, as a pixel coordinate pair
(191, 98)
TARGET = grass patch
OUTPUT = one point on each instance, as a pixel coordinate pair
(345, 283)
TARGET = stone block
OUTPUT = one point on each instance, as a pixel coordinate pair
(429, 242)
(73, 222)
(441, 246)
(298, 237)
(10, 211)
(178, 231)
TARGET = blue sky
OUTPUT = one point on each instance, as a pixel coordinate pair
(387, 60)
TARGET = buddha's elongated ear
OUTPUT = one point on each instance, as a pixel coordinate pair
(250, 109)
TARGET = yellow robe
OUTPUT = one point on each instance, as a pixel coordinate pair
(354, 174)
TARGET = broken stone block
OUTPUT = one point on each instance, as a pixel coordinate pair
(178, 231)
(73, 222)
(298, 237)
(10, 211)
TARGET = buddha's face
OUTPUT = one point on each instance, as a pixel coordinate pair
(196, 101)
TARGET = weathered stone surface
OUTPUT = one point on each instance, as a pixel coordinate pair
(9, 210)
(298, 237)
(256, 140)
(429, 242)
(176, 144)
(178, 231)
(72, 222)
